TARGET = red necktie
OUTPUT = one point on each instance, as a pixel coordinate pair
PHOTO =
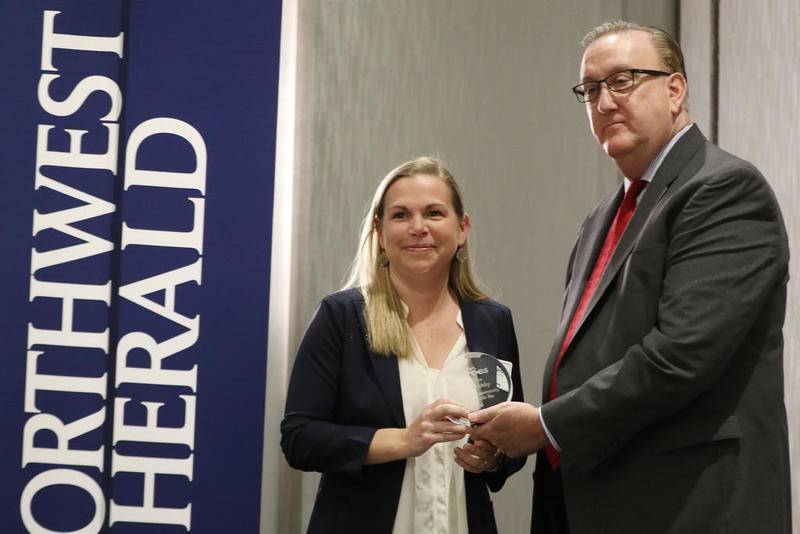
(624, 214)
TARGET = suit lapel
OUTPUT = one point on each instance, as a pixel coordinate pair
(670, 169)
(589, 244)
(387, 374)
(596, 227)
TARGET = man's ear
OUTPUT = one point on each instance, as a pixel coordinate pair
(678, 92)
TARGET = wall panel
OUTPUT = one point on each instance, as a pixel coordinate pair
(697, 38)
(759, 120)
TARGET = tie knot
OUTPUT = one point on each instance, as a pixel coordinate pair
(633, 190)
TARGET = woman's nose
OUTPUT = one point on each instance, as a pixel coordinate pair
(418, 225)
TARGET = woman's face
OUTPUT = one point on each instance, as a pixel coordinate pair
(421, 230)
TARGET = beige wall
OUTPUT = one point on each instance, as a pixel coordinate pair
(485, 86)
(759, 120)
(696, 40)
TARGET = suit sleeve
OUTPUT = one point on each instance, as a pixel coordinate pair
(509, 351)
(725, 257)
(311, 439)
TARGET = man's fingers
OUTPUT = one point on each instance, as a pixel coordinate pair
(487, 414)
(480, 432)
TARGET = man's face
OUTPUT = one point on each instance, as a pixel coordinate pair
(632, 126)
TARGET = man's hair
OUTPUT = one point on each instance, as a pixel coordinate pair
(667, 47)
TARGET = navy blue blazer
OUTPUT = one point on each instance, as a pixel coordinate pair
(341, 393)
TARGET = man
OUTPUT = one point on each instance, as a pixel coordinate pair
(664, 387)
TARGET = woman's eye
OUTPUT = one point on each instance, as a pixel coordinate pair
(398, 215)
(436, 213)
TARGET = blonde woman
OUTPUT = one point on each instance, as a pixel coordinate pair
(365, 405)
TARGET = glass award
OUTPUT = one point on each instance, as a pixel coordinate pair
(477, 381)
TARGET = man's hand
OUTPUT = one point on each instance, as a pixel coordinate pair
(514, 427)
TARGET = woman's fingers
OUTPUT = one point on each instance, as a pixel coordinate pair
(467, 467)
(447, 427)
(476, 457)
(484, 445)
(471, 462)
(433, 426)
(443, 408)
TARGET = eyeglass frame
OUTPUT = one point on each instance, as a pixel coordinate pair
(605, 81)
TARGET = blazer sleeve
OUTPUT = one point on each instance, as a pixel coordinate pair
(311, 439)
(725, 257)
(509, 350)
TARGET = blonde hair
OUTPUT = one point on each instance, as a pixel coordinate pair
(387, 329)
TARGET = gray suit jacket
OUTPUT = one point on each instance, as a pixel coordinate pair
(670, 407)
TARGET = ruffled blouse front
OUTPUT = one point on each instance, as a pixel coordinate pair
(432, 498)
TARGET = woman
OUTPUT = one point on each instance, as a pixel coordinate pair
(364, 404)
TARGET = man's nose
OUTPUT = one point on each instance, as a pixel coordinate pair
(605, 100)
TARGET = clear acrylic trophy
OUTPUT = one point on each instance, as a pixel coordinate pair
(478, 381)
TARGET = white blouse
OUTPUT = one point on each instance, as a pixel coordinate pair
(432, 498)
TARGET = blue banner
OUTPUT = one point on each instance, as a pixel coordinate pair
(137, 167)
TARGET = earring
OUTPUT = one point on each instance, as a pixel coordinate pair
(383, 259)
(461, 255)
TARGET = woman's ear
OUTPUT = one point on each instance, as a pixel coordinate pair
(376, 225)
(464, 226)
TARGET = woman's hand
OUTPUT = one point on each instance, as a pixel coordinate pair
(432, 426)
(477, 457)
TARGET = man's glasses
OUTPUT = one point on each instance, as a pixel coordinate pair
(617, 82)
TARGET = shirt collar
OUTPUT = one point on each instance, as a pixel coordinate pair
(656, 163)
(459, 319)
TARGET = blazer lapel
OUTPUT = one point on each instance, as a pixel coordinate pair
(477, 338)
(670, 169)
(387, 374)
